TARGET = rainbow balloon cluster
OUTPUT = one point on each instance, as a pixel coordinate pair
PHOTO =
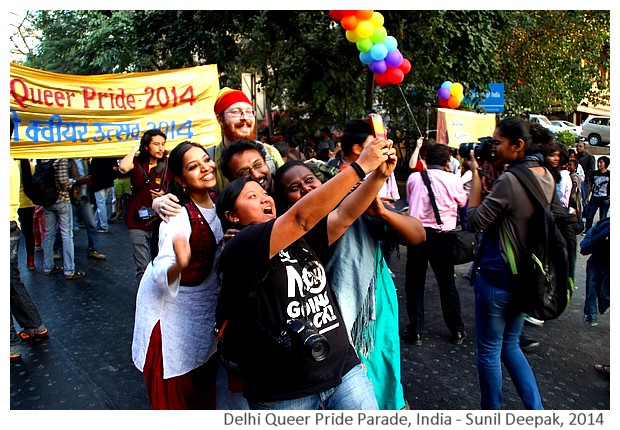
(450, 95)
(377, 50)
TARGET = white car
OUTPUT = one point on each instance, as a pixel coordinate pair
(544, 121)
(568, 126)
(596, 130)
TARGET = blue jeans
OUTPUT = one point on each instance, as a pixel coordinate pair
(596, 204)
(85, 211)
(59, 215)
(597, 287)
(103, 198)
(498, 327)
(23, 308)
(355, 392)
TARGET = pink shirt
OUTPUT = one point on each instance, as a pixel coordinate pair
(389, 190)
(449, 195)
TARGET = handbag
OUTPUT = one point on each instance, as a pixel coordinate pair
(463, 242)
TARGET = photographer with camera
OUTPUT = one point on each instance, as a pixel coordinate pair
(149, 179)
(278, 310)
(506, 209)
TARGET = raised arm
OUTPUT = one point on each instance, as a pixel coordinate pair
(306, 212)
(126, 164)
(356, 203)
(416, 153)
(408, 228)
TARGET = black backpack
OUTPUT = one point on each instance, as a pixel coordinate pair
(44, 191)
(543, 280)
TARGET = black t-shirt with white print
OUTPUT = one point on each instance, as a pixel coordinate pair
(293, 280)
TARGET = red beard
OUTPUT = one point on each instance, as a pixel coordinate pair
(232, 133)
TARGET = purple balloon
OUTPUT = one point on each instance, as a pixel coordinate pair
(378, 66)
(394, 58)
(443, 93)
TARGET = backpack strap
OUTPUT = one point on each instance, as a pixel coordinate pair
(531, 185)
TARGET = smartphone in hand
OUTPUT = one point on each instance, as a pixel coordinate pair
(376, 122)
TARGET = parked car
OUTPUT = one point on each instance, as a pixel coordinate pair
(544, 121)
(568, 126)
(596, 130)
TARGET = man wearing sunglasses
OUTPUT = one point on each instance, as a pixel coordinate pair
(235, 114)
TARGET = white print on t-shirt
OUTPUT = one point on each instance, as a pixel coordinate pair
(600, 186)
(310, 284)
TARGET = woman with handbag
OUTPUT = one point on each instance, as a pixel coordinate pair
(504, 217)
(149, 179)
(446, 195)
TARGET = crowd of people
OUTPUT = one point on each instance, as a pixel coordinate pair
(285, 250)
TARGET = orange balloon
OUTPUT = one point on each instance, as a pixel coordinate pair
(349, 22)
(454, 102)
(363, 15)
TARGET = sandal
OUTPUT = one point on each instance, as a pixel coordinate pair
(54, 270)
(75, 275)
(602, 368)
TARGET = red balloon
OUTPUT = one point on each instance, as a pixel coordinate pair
(405, 66)
(395, 75)
(382, 79)
(442, 103)
(349, 22)
(336, 15)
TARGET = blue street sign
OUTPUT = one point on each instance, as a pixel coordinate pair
(494, 98)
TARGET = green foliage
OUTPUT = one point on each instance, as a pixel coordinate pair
(550, 60)
(566, 138)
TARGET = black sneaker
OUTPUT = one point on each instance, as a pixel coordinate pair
(459, 337)
(413, 339)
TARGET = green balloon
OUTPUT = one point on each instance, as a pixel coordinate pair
(379, 35)
(364, 45)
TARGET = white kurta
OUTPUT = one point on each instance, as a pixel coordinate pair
(187, 314)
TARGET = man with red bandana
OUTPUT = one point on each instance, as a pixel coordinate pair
(235, 115)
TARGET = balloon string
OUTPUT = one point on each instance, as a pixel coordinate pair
(409, 109)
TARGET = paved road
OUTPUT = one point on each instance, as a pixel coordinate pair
(85, 363)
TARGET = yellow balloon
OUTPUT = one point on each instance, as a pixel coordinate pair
(352, 36)
(456, 89)
(377, 19)
(364, 29)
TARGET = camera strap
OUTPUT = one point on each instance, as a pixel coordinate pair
(148, 178)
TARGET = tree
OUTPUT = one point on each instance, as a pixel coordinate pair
(548, 60)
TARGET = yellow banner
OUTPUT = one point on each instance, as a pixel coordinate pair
(67, 116)
(456, 126)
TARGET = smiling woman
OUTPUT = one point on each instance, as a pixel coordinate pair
(178, 293)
